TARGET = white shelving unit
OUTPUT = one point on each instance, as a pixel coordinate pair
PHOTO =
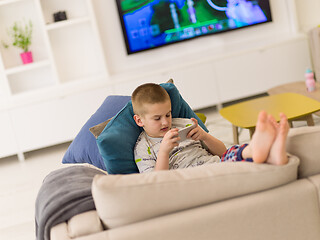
(56, 46)
(27, 67)
(6, 2)
(67, 23)
(67, 55)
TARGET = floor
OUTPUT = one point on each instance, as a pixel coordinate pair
(20, 182)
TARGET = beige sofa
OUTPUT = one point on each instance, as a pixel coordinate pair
(222, 201)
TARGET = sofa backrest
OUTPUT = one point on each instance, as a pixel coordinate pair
(126, 199)
(289, 212)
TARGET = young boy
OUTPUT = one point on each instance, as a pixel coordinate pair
(157, 147)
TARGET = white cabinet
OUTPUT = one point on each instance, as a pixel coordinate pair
(239, 76)
(196, 83)
(56, 121)
(286, 63)
(40, 98)
(231, 76)
(127, 87)
(7, 136)
(258, 70)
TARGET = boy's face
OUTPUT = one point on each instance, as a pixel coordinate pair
(157, 120)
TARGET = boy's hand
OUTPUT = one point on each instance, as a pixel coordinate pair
(197, 133)
(170, 140)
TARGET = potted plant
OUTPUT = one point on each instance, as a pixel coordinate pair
(21, 37)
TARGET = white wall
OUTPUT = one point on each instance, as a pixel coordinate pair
(185, 52)
(308, 13)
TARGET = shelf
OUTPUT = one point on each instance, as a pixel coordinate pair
(54, 91)
(66, 23)
(6, 2)
(27, 67)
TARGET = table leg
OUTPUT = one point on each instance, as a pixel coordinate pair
(235, 134)
(309, 120)
(251, 131)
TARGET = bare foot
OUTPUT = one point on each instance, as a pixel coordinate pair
(262, 139)
(273, 122)
(278, 155)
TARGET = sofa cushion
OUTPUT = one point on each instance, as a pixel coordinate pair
(304, 142)
(125, 199)
(83, 148)
(117, 140)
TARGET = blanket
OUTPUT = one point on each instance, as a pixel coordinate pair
(64, 193)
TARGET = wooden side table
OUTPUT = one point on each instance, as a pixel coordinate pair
(245, 114)
(297, 87)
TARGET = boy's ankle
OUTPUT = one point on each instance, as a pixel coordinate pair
(246, 152)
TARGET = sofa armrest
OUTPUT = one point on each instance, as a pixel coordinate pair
(78, 226)
(315, 179)
(303, 142)
(60, 232)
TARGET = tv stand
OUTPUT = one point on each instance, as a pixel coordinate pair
(233, 71)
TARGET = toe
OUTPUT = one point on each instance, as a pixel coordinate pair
(273, 122)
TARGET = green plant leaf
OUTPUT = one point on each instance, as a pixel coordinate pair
(4, 44)
(21, 34)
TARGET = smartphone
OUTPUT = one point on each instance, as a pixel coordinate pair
(185, 125)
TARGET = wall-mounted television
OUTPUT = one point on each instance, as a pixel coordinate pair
(148, 24)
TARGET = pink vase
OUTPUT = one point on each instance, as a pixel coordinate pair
(26, 57)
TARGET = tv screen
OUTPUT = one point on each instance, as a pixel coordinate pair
(148, 24)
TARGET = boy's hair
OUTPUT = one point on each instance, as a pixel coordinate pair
(149, 93)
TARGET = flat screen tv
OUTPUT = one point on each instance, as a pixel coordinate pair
(149, 24)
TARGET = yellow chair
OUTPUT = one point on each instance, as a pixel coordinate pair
(202, 117)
